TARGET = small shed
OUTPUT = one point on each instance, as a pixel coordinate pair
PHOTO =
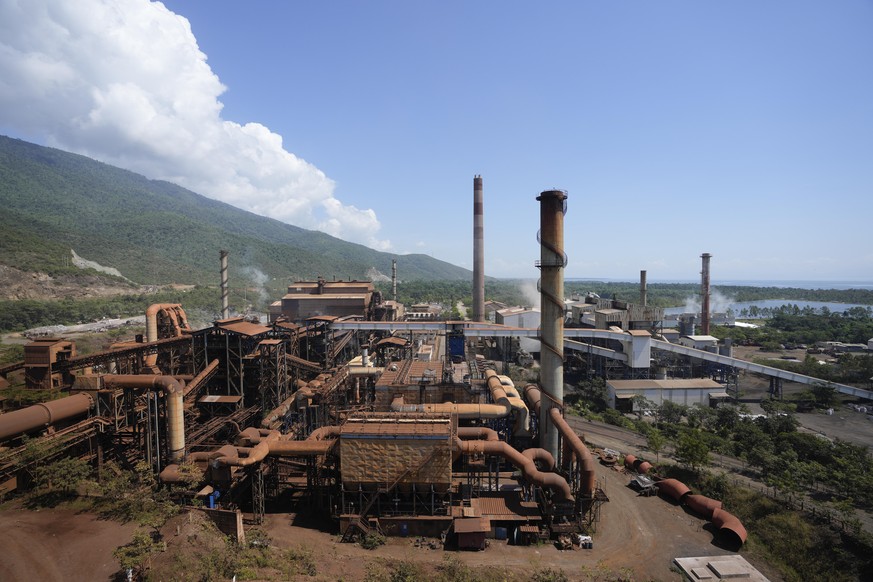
(471, 532)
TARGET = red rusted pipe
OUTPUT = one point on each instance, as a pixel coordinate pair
(702, 505)
(174, 392)
(43, 414)
(728, 524)
(673, 488)
(527, 465)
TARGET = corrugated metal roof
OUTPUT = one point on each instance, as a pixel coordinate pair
(472, 525)
(504, 507)
(676, 384)
(245, 328)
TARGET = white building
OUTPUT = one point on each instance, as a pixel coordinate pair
(702, 391)
(521, 317)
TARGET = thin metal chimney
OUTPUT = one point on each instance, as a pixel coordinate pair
(553, 205)
(644, 291)
(478, 251)
(704, 290)
(225, 310)
(394, 279)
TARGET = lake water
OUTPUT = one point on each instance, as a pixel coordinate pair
(794, 284)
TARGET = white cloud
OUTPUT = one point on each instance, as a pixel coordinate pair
(123, 81)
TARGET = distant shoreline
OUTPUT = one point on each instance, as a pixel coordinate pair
(783, 284)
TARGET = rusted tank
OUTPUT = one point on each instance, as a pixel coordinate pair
(629, 461)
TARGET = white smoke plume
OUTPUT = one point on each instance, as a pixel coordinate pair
(530, 293)
(718, 302)
(124, 82)
(258, 280)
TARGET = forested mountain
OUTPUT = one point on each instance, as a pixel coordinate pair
(155, 232)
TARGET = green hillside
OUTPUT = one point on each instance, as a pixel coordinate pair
(155, 232)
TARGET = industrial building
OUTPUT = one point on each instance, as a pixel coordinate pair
(382, 421)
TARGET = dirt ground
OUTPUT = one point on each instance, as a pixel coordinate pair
(58, 545)
(638, 534)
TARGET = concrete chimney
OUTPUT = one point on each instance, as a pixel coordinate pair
(478, 251)
(704, 290)
(225, 310)
(552, 262)
(394, 279)
(644, 291)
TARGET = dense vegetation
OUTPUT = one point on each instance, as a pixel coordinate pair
(829, 479)
(156, 232)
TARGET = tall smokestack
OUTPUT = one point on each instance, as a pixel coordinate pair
(478, 251)
(225, 310)
(704, 290)
(644, 291)
(552, 262)
(394, 279)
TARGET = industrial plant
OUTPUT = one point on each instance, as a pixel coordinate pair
(377, 414)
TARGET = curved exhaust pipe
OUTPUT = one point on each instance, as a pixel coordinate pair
(174, 392)
(571, 440)
(525, 462)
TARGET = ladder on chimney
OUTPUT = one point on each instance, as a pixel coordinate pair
(359, 525)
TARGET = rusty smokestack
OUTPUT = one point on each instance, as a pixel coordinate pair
(644, 291)
(225, 310)
(394, 280)
(478, 251)
(704, 290)
(552, 262)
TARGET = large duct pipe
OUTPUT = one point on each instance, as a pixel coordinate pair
(41, 415)
(225, 310)
(551, 264)
(264, 443)
(526, 463)
(394, 280)
(174, 392)
(477, 432)
(729, 526)
(571, 440)
(175, 314)
(478, 251)
(704, 290)
(503, 406)
(644, 291)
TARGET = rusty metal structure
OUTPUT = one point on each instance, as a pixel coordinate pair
(553, 206)
(399, 432)
(705, 293)
(225, 290)
(478, 250)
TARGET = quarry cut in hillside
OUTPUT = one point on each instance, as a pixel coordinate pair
(17, 285)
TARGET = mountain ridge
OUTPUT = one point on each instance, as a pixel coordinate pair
(156, 232)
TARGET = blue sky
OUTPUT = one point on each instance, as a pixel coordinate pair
(742, 129)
